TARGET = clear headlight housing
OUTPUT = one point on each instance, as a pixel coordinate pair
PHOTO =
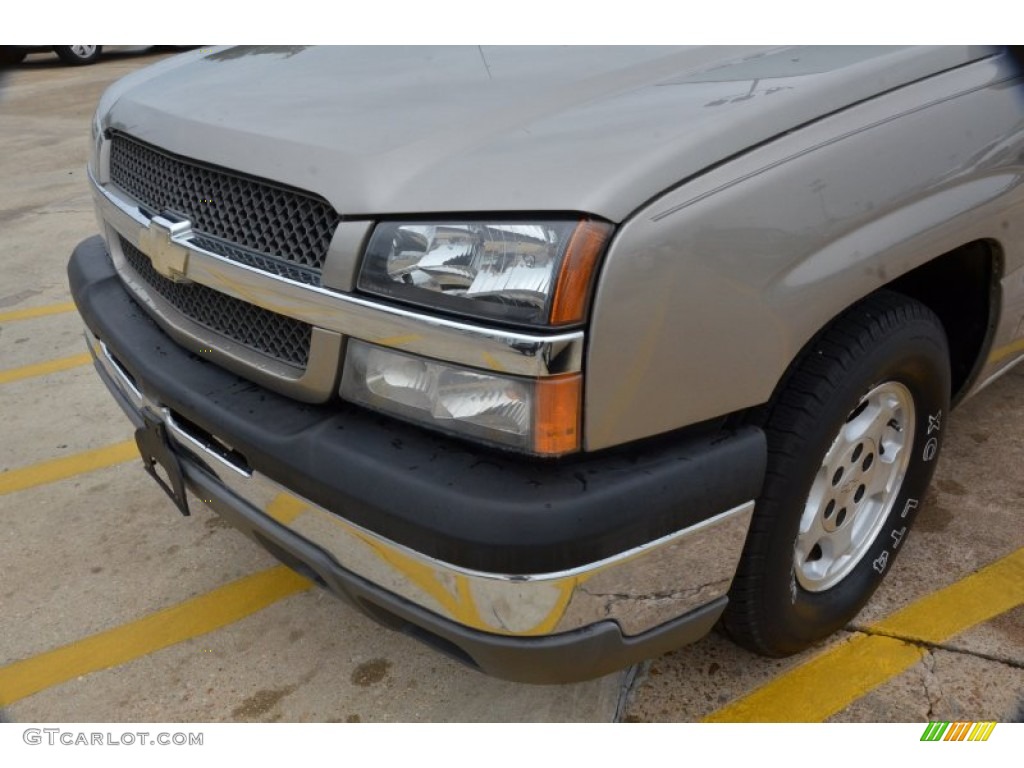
(536, 272)
(540, 416)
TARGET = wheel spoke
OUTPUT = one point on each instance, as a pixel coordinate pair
(871, 421)
(832, 461)
(860, 526)
(811, 530)
(892, 443)
(816, 501)
(839, 541)
(878, 484)
(806, 543)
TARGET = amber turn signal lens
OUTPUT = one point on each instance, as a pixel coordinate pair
(556, 426)
(576, 275)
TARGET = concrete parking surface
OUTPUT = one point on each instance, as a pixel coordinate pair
(115, 608)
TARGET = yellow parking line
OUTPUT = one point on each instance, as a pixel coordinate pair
(58, 469)
(41, 369)
(191, 618)
(48, 309)
(1003, 352)
(830, 682)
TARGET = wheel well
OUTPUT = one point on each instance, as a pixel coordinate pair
(960, 286)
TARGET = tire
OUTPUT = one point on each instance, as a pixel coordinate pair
(77, 55)
(854, 432)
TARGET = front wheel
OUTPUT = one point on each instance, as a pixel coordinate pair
(853, 432)
(77, 55)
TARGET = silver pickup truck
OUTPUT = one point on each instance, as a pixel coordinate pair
(556, 358)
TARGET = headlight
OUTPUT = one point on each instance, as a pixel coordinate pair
(540, 416)
(524, 272)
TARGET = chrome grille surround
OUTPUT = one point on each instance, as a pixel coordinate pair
(269, 333)
(333, 313)
(271, 220)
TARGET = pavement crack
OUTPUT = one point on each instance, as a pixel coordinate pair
(929, 646)
(932, 685)
(634, 675)
(1014, 663)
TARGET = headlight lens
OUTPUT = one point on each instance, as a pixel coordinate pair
(536, 272)
(538, 416)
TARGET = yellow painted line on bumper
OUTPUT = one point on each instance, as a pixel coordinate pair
(27, 314)
(41, 369)
(191, 618)
(833, 680)
(20, 479)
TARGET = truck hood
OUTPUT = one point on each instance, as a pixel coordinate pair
(442, 130)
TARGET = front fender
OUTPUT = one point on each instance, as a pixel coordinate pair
(709, 292)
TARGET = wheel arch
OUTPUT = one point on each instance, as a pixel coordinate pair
(961, 286)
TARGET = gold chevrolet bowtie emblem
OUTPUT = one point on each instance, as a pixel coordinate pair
(161, 242)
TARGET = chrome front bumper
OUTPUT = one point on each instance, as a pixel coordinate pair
(639, 589)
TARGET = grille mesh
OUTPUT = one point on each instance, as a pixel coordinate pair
(269, 333)
(256, 260)
(251, 213)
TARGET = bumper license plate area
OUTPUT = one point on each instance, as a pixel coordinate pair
(157, 454)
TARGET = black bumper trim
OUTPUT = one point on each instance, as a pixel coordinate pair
(445, 498)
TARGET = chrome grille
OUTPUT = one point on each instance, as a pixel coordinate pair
(251, 214)
(278, 336)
